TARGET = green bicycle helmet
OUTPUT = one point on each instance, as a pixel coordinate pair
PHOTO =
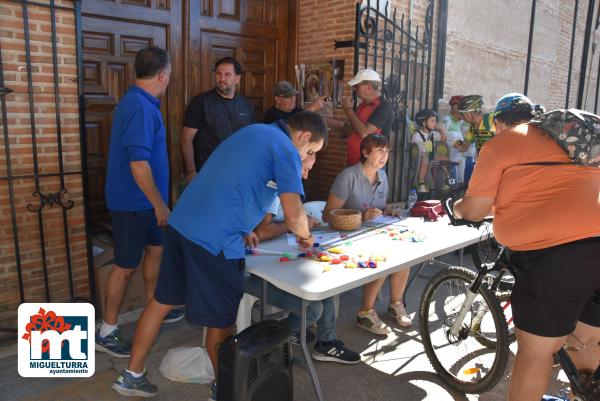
(471, 104)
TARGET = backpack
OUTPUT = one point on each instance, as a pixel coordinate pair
(576, 131)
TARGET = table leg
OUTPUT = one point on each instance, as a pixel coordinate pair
(307, 357)
(263, 299)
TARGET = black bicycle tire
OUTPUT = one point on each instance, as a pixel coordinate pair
(502, 353)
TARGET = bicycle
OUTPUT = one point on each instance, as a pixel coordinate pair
(478, 297)
(464, 330)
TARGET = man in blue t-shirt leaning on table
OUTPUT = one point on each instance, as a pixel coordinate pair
(136, 190)
(203, 261)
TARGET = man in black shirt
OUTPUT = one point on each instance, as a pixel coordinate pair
(284, 96)
(213, 116)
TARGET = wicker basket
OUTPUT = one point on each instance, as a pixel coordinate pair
(345, 219)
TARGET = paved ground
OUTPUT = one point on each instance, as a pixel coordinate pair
(395, 368)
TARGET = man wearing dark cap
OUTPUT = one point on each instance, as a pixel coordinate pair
(213, 116)
(284, 96)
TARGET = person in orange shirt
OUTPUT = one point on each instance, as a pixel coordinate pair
(548, 216)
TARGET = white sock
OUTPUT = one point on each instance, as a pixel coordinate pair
(135, 375)
(106, 329)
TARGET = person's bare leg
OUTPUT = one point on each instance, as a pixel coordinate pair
(116, 284)
(586, 338)
(214, 338)
(146, 331)
(397, 285)
(533, 366)
(151, 268)
(370, 292)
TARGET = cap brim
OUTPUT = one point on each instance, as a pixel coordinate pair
(353, 82)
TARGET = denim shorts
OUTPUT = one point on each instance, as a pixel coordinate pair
(132, 232)
(210, 286)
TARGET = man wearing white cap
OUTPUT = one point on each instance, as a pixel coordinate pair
(374, 115)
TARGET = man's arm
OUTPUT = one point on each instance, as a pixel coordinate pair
(187, 152)
(473, 208)
(268, 229)
(361, 129)
(142, 173)
(295, 217)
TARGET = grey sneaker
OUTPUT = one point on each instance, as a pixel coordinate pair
(398, 312)
(129, 386)
(371, 322)
(113, 344)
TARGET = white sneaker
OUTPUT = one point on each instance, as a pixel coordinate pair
(422, 187)
(398, 312)
(369, 321)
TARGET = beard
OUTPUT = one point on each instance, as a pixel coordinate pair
(226, 90)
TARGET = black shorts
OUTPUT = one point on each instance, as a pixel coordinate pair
(210, 286)
(132, 231)
(556, 287)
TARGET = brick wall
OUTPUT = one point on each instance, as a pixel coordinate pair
(320, 24)
(21, 148)
(487, 50)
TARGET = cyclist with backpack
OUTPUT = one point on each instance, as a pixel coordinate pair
(547, 212)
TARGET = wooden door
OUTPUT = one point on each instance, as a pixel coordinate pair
(255, 32)
(112, 35)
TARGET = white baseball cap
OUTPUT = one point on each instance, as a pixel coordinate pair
(366, 74)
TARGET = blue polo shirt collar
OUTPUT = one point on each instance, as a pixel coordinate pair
(148, 96)
(282, 125)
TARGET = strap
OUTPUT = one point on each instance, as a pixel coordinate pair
(544, 163)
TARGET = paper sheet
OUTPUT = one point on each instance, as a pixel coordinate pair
(382, 220)
(322, 237)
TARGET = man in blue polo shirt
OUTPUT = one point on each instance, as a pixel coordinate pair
(136, 190)
(203, 262)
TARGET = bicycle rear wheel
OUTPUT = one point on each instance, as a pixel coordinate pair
(462, 362)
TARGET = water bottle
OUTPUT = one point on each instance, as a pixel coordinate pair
(412, 198)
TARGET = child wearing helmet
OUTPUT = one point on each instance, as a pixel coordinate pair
(429, 132)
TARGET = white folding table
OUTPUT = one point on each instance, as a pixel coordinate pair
(307, 279)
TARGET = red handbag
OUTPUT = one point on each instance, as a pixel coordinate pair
(429, 209)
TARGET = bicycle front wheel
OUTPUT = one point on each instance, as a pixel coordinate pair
(461, 361)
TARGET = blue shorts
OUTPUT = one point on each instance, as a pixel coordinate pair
(132, 231)
(211, 287)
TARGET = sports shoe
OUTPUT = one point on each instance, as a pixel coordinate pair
(369, 321)
(175, 315)
(422, 187)
(129, 386)
(310, 337)
(398, 312)
(212, 393)
(113, 344)
(334, 351)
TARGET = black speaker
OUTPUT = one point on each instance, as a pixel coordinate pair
(256, 365)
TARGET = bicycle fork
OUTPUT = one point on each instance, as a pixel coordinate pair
(466, 306)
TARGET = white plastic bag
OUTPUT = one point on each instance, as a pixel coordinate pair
(187, 365)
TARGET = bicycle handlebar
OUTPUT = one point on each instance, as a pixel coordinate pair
(448, 204)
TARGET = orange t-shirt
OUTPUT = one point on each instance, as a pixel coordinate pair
(536, 207)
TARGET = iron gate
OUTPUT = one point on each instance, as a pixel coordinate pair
(401, 52)
(45, 248)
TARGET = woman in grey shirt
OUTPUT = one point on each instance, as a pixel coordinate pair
(364, 187)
